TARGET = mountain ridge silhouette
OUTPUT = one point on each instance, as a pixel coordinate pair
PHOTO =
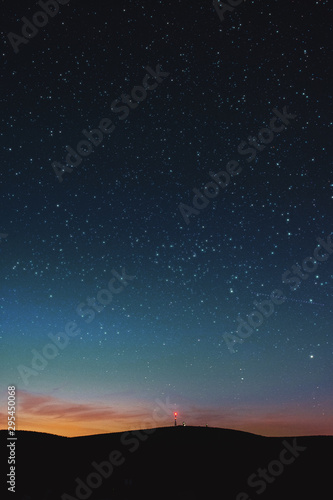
(193, 461)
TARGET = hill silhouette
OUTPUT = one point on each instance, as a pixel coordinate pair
(171, 462)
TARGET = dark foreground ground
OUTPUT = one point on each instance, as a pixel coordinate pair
(170, 463)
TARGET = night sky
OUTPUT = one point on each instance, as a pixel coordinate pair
(250, 94)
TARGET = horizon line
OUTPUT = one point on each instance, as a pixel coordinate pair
(166, 427)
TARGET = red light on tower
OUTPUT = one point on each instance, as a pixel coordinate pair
(175, 414)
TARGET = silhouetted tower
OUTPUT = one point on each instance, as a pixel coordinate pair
(175, 414)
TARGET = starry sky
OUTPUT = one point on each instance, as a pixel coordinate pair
(151, 300)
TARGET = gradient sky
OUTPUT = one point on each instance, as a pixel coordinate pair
(158, 347)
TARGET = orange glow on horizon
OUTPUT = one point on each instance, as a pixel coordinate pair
(53, 415)
(69, 428)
